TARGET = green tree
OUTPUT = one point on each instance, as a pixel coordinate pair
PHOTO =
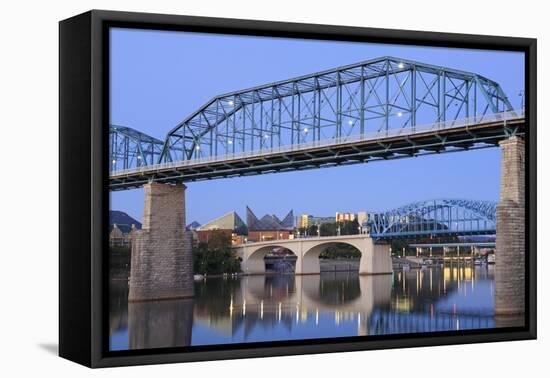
(340, 251)
(328, 229)
(215, 256)
(312, 230)
(346, 228)
(349, 227)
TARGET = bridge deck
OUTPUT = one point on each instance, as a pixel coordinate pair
(303, 239)
(431, 232)
(457, 135)
(454, 245)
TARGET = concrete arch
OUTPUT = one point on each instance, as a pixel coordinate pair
(309, 261)
(375, 258)
(253, 258)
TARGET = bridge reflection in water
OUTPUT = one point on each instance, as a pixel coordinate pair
(285, 307)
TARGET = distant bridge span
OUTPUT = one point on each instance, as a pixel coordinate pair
(375, 258)
(438, 217)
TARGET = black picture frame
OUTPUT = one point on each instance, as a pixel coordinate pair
(83, 181)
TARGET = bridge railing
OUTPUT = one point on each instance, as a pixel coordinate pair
(405, 234)
(303, 238)
(443, 125)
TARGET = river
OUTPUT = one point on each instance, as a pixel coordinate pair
(287, 307)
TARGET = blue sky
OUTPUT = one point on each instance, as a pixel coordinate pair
(160, 77)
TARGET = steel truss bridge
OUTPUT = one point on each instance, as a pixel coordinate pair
(443, 217)
(133, 148)
(384, 108)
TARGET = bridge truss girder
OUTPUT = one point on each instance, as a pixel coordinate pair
(377, 95)
(339, 152)
(130, 148)
(435, 217)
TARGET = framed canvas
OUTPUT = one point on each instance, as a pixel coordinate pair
(396, 171)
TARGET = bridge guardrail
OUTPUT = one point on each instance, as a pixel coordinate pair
(303, 238)
(444, 125)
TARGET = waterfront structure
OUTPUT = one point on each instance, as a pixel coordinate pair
(302, 221)
(452, 249)
(230, 224)
(121, 235)
(269, 227)
(377, 110)
(121, 226)
(305, 220)
(344, 217)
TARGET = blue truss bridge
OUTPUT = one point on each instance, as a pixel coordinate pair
(380, 109)
(434, 218)
(425, 219)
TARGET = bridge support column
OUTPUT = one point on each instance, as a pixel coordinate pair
(375, 258)
(162, 260)
(510, 238)
(253, 264)
(307, 262)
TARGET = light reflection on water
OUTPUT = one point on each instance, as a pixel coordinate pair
(286, 307)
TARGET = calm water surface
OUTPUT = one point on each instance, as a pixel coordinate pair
(285, 307)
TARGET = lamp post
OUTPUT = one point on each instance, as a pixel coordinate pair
(522, 95)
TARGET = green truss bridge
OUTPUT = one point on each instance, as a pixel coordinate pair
(380, 109)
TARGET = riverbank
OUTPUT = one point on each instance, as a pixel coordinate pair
(119, 264)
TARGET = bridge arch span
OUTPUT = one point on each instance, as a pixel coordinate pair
(253, 258)
(309, 262)
(375, 258)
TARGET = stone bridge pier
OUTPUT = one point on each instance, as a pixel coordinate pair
(162, 260)
(510, 237)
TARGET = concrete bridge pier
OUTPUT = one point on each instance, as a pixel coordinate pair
(308, 259)
(162, 260)
(510, 236)
(375, 258)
